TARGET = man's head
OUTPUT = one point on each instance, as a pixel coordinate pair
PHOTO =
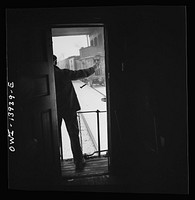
(54, 60)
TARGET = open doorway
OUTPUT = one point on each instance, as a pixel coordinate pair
(76, 48)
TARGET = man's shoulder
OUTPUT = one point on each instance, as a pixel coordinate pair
(56, 68)
(61, 70)
(62, 73)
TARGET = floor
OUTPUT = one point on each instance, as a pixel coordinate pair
(94, 178)
(94, 173)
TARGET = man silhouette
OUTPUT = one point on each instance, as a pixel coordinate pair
(68, 105)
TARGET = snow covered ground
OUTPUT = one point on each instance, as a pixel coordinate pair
(101, 90)
(90, 100)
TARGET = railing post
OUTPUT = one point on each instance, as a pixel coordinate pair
(79, 122)
(98, 132)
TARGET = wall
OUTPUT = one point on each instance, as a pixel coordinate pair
(148, 79)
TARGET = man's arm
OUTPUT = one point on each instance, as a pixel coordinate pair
(82, 73)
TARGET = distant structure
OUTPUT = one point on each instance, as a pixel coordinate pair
(72, 63)
(63, 64)
(95, 50)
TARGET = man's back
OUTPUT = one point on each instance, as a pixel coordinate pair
(67, 100)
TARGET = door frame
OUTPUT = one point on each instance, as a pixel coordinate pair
(107, 73)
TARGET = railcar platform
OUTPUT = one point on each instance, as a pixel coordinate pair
(94, 166)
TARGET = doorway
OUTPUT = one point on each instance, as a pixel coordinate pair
(76, 48)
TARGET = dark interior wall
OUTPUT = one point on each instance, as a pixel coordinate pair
(152, 83)
(147, 66)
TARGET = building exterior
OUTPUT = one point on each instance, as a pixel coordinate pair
(72, 63)
(63, 64)
(94, 51)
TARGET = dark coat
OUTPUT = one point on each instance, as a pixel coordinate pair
(67, 101)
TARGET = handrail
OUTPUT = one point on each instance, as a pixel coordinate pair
(98, 129)
(88, 155)
(91, 111)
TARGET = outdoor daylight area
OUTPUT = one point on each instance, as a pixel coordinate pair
(78, 48)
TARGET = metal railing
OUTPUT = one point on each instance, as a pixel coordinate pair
(98, 131)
